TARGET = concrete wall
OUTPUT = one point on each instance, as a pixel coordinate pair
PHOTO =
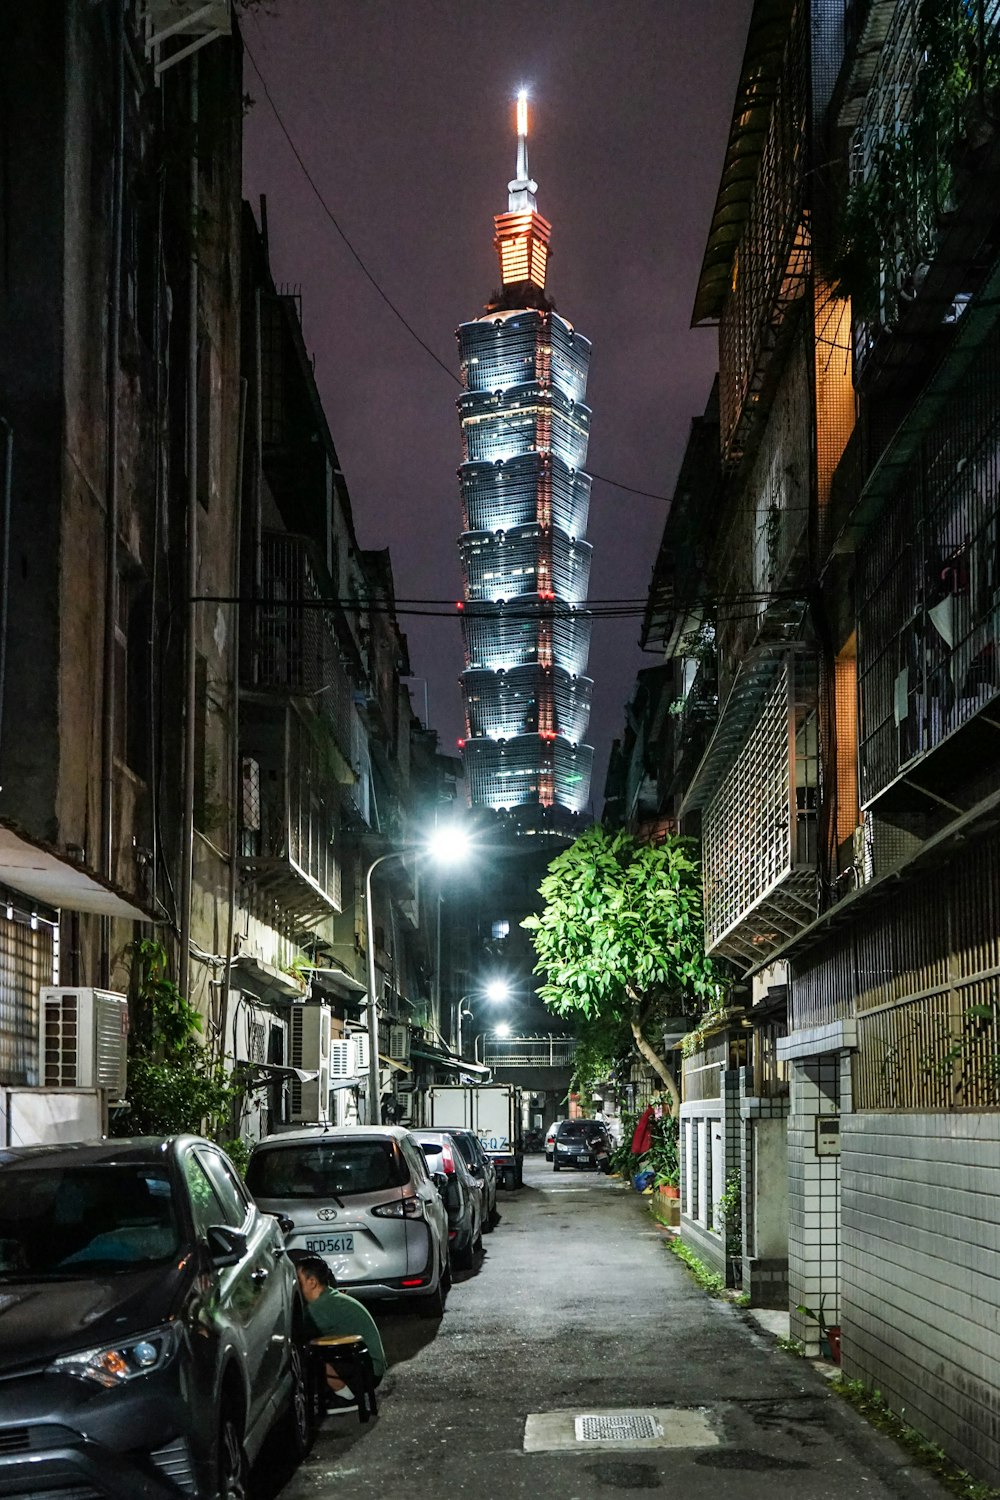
(921, 1273)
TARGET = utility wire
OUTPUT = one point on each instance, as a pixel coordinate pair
(328, 211)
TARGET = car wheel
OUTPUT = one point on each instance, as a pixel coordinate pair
(299, 1429)
(433, 1306)
(463, 1256)
(548, 1156)
(556, 1166)
(231, 1461)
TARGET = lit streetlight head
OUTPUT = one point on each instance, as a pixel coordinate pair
(501, 1030)
(448, 844)
(498, 989)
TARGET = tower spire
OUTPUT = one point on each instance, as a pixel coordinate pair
(521, 192)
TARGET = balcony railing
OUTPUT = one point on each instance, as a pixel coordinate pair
(528, 1052)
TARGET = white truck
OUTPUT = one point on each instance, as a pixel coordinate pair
(495, 1113)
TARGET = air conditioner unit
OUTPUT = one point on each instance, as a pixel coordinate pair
(342, 1063)
(399, 1043)
(361, 1051)
(309, 1049)
(82, 1043)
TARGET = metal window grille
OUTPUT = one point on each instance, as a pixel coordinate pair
(772, 259)
(929, 587)
(26, 964)
(759, 833)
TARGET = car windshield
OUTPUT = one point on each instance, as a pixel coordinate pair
(326, 1169)
(67, 1222)
(578, 1129)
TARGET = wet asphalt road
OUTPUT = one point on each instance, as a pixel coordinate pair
(579, 1307)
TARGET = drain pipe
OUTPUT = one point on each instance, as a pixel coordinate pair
(108, 706)
(235, 793)
(8, 480)
(191, 570)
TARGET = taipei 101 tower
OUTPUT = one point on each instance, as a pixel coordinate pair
(525, 559)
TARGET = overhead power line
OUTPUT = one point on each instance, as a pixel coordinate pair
(617, 484)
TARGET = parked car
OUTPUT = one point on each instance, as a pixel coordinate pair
(570, 1146)
(150, 1323)
(463, 1196)
(483, 1169)
(550, 1136)
(361, 1196)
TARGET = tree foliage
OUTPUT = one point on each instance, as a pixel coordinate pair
(620, 937)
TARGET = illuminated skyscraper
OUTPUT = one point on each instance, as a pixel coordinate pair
(525, 559)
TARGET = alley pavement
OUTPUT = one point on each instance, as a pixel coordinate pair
(578, 1311)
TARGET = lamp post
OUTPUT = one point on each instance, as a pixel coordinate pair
(495, 989)
(447, 843)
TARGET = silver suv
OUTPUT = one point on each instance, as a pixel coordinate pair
(361, 1196)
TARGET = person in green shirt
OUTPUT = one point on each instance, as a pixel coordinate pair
(329, 1311)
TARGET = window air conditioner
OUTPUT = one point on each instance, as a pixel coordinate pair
(399, 1043)
(83, 1036)
(309, 1049)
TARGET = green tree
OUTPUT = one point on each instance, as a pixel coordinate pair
(620, 937)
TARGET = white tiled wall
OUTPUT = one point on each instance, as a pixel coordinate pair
(921, 1274)
(813, 1199)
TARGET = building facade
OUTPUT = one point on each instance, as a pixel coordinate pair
(525, 557)
(847, 795)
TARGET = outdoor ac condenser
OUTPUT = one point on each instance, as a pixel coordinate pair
(399, 1043)
(83, 1039)
(361, 1052)
(309, 1049)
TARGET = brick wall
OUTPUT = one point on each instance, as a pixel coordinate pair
(921, 1273)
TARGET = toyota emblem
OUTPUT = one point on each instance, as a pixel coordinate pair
(326, 1214)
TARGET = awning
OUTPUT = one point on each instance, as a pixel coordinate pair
(41, 872)
(264, 981)
(455, 1064)
(390, 1062)
(340, 986)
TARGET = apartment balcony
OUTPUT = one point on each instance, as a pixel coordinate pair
(294, 650)
(289, 821)
(928, 599)
(758, 787)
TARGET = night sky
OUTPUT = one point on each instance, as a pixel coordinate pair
(403, 112)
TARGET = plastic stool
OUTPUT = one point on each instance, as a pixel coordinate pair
(352, 1363)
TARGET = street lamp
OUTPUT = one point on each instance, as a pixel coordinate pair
(448, 844)
(500, 1031)
(494, 990)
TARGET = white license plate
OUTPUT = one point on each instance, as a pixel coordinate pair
(340, 1244)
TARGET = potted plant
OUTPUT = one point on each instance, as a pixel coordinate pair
(829, 1333)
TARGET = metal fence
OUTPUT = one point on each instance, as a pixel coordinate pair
(528, 1052)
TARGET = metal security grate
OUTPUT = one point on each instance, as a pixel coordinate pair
(624, 1427)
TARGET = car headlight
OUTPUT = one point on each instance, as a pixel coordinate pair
(563, 1146)
(115, 1364)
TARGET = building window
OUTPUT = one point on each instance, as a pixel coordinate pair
(501, 929)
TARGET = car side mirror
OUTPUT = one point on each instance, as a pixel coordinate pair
(440, 1181)
(226, 1246)
(285, 1224)
(477, 1170)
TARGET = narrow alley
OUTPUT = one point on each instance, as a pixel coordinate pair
(584, 1312)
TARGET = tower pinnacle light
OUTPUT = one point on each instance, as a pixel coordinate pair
(526, 562)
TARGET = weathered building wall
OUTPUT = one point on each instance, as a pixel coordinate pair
(921, 1273)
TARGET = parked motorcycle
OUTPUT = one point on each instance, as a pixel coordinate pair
(600, 1150)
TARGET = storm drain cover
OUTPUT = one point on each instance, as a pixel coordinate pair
(625, 1427)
